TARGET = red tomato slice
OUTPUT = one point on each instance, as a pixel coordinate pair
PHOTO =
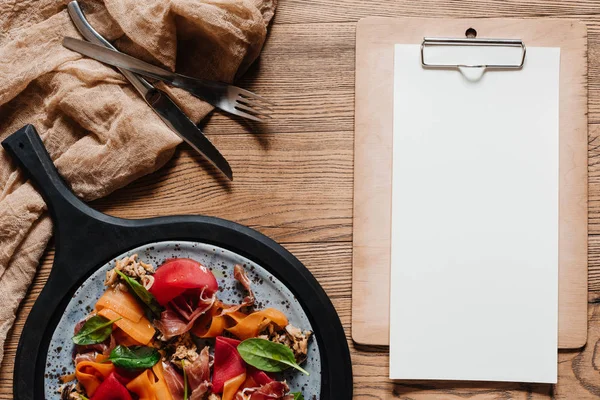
(111, 389)
(228, 362)
(177, 275)
(231, 341)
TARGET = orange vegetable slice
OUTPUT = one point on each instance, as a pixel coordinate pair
(143, 385)
(275, 316)
(217, 326)
(161, 390)
(231, 386)
(141, 331)
(123, 303)
(243, 326)
(237, 316)
(250, 326)
(100, 358)
(212, 324)
(91, 374)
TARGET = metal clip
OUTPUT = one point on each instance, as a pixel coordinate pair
(473, 42)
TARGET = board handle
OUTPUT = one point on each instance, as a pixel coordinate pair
(26, 147)
(73, 219)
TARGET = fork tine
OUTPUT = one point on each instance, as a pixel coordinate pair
(252, 111)
(256, 105)
(246, 115)
(249, 95)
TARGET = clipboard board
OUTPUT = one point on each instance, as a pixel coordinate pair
(375, 39)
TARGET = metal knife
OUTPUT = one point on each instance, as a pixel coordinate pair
(159, 101)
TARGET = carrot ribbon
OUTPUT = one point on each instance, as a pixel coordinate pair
(141, 331)
(90, 374)
(242, 326)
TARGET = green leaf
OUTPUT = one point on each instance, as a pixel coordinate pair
(95, 330)
(143, 294)
(134, 357)
(185, 383)
(297, 395)
(268, 356)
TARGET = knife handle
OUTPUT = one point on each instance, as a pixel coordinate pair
(89, 33)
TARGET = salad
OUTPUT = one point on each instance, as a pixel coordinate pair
(163, 334)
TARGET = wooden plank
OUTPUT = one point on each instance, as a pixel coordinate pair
(312, 11)
(578, 371)
(594, 179)
(594, 266)
(291, 187)
(308, 72)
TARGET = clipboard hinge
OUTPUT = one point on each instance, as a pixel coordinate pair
(428, 41)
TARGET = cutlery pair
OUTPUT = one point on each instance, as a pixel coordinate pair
(231, 99)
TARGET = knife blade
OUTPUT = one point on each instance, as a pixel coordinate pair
(119, 60)
(158, 100)
(179, 123)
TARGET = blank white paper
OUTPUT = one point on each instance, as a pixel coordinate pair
(474, 259)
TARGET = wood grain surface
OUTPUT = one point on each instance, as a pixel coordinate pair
(294, 176)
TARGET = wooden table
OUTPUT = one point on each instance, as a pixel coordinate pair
(294, 176)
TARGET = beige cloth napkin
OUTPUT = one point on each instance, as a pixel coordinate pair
(99, 132)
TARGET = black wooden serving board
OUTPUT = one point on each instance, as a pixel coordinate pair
(86, 239)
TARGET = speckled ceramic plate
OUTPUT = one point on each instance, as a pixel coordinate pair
(87, 242)
(269, 291)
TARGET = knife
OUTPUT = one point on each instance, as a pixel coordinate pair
(159, 101)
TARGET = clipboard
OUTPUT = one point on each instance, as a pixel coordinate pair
(375, 39)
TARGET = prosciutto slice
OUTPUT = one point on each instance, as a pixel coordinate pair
(240, 275)
(271, 391)
(198, 372)
(103, 348)
(201, 392)
(91, 356)
(181, 313)
(173, 380)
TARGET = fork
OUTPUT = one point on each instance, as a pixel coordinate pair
(229, 98)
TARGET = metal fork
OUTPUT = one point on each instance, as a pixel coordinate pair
(229, 98)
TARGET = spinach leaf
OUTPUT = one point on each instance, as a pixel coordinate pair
(297, 396)
(95, 330)
(134, 357)
(143, 294)
(268, 356)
